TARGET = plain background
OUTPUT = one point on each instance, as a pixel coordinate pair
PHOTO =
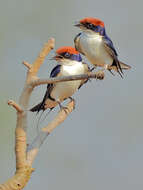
(100, 145)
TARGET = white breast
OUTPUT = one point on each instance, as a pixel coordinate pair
(64, 90)
(92, 46)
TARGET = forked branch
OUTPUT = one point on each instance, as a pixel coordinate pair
(25, 156)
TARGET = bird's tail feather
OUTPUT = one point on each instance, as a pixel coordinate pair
(38, 107)
(123, 66)
(41, 121)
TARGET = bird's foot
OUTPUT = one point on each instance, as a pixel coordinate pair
(93, 68)
(72, 100)
(63, 108)
(100, 74)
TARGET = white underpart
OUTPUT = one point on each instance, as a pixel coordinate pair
(64, 90)
(92, 46)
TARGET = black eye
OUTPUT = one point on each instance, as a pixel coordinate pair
(67, 55)
(90, 26)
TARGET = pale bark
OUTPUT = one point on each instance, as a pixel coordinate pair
(26, 155)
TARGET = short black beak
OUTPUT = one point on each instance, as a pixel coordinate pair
(77, 24)
(56, 57)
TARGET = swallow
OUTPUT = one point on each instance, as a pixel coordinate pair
(96, 46)
(69, 63)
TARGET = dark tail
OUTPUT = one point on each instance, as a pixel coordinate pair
(38, 107)
(123, 66)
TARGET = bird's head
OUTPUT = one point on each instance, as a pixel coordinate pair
(91, 24)
(67, 54)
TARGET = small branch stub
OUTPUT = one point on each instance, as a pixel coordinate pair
(15, 105)
(27, 64)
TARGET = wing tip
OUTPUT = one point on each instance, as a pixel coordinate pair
(37, 108)
(125, 66)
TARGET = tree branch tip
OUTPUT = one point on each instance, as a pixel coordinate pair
(10, 102)
(15, 105)
(51, 41)
(100, 75)
(27, 64)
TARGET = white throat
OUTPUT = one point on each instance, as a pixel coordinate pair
(92, 34)
(69, 62)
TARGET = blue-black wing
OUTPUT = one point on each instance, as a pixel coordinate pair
(53, 74)
(108, 44)
(41, 105)
(55, 71)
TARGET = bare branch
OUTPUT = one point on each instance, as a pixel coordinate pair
(19, 180)
(41, 137)
(24, 156)
(27, 64)
(98, 75)
(61, 116)
(15, 105)
(23, 169)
